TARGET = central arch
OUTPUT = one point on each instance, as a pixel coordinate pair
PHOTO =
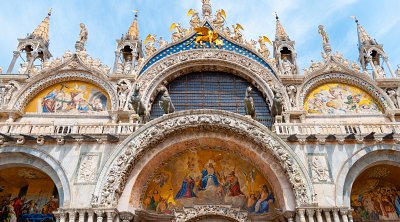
(120, 173)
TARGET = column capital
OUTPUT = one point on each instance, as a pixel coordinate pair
(289, 214)
(344, 211)
(126, 216)
(310, 212)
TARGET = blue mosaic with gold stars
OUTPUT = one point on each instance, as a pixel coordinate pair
(189, 44)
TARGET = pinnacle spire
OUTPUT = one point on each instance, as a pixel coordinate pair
(280, 34)
(363, 37)
(206, 8)
(42, 30)
(133, 31)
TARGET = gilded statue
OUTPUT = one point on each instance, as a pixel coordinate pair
(219, 20)
(263, 50)
(83, 35)
(150, 40)
(195, 20)
(324, 35)
(204, 34)
(237, 34)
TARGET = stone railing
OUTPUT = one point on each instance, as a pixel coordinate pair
(20, 132)
(341, 131)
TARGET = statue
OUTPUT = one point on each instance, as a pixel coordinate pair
(204, 34)
(83, 36)
(380, 72)
(227, 32)
(394, 96)
(150, 48)
(162, 43)
(195, 20)
(1, 70)
(135, 102)
(219, 20)
(356, 67)
(122, 91)
(23, 68)
(288, 67)
(324, 35)
(291, 91)
(165, 102)
(179, 32)
(237, 34)
(263, 50)
(249, 103)
(8, 93)
(277, 105)
(205, 2)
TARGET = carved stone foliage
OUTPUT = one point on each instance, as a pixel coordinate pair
(147, 136)
(342, 78)
(88, 165)
(203, 210)
(30, 91)
(319, 168)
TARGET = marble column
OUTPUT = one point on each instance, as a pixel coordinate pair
(336, 215)
(99, 215)
(110, 215)
(12, 64)
(57, 216)
(319, 216)
(350, 215)
(343, 213)
(386, 60)
(327, 214)
(310, 214)
(117, 54)
(81, 216)
(301, 215)
(72, 215)
(90, 216)
(289, 215)
(62, 216)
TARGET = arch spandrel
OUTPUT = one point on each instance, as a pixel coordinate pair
(116, 172)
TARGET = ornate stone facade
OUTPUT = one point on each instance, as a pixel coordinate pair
(93, 132)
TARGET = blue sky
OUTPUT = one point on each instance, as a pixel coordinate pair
(106, 20)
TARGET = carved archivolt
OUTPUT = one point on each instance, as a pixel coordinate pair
(114, 178)
(29, 91)
(171, 67)
(203, 210)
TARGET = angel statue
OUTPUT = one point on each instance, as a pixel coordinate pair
(219, 20)
(237, 34)
(263, 50)
(179, 32)
(195, 20)
(83, 35)
(150, 48)
(324, 35)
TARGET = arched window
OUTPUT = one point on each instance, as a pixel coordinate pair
(213, 90)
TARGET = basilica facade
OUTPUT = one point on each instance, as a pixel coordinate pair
(207, 127)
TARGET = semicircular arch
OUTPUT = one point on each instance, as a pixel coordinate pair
(357, 80)
(28, 92)
(357, 163)
(21, 156)
(114, 176)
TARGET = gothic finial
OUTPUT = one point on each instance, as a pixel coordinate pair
(363, 37)
(206, 8)
(42, 30)
(133, 31)
(280, 33)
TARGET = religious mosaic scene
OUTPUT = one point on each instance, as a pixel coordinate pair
(202, 125)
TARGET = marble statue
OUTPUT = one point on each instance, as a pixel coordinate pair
(380, 72)
(324, 35)
(249, 103)
(291, 91)
(394, 96)
(320, 170)
(122, 91)
(8, 92)
(162, 43)
(83, 35)
(287, 67)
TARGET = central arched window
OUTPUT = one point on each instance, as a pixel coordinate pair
(213, 90)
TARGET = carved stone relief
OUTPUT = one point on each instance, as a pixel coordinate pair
(86, 172)
(319, 168)
(202, 210)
